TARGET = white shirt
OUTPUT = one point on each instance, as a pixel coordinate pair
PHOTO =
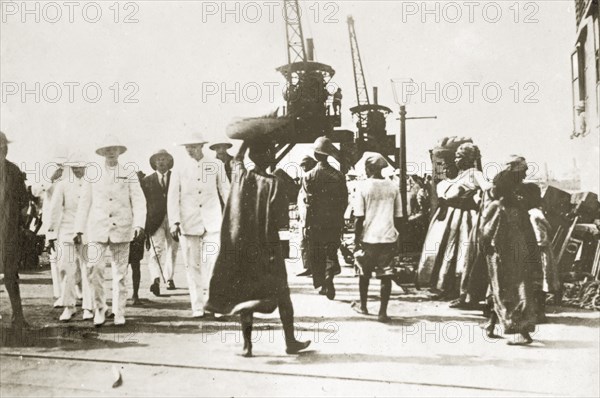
(193, 198)
(378, 201)
(162, 179)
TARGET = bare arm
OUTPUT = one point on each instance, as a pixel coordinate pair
(358, 230)
(223, 185)
(241, 152)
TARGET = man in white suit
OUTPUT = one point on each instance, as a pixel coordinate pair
(45, 190)
(111, 212)
(197, 188)
(61, 228)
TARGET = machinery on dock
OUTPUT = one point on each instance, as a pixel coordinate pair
(307, 114)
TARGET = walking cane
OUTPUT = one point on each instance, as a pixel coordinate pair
(157, 260)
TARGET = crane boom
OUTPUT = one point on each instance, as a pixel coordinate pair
(362, 93)
(296, 51)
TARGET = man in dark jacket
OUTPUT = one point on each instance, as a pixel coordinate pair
(326, 199)
(13, 200)
(162, 249)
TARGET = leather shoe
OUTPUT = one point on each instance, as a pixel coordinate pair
(198, 314)
(155, 287)
(305, 273)
(170, 285)
(330, 292)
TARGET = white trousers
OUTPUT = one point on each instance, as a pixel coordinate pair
(96, 264)
(163, 251)
(199, 254)
(71, 266)
(56, 279)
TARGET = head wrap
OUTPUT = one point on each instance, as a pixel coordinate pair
(468, 151)
(515, 163)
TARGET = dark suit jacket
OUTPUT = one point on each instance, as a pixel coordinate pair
(156, 201)
(13, 200)
(327, 198)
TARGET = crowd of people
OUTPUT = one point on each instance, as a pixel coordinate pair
(486, 241)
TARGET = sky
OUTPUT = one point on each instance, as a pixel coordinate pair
(162, 74)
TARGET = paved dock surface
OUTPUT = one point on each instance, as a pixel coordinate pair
(427, 349)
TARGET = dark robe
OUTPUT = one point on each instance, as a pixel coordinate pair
(513, 259)
(250, 274)
(13, 200)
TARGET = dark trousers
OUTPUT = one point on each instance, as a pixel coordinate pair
(323, 260)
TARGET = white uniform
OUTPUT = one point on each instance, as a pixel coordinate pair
(193, 202)
(61, 227)
(45, 190)
(109, 210)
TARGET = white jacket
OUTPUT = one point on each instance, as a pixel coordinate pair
(193, 198)
(111, 206)
(44, 190)
(63, 208)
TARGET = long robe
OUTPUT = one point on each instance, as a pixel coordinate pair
(513, 259)
(13, 199)
(474, 280)
(249, 273)
(551, 280)
(446, 249)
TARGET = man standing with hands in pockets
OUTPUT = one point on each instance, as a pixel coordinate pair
(111, 212)
(197, 188)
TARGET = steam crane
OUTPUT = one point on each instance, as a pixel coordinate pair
(307, 115)
(371, 123)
